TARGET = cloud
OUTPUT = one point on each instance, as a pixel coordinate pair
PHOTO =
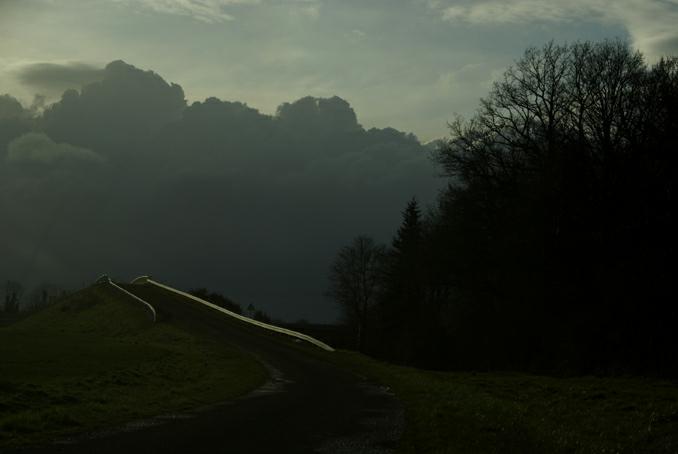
(217, 11)
(209, 11)
(214, 194)
(356, 35)
(38, 148)
(665, 45)
(517, 11)
(308, 8)
(125, 105)
(14, 121)
(10, 107)
(53, 78)
(277, 195)
(318, 115)
(650, 23)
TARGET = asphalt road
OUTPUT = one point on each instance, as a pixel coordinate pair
(309, 406)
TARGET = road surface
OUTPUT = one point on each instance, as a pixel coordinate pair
(309, 406)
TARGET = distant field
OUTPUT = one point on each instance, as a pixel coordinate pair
(520, 413)
(96, 360)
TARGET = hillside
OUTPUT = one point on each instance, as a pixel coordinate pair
(95, 359)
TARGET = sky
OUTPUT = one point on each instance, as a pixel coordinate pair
(408, 64)
(238, 144)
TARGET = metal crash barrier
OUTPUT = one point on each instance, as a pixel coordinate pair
(146, 280)
(104, 279)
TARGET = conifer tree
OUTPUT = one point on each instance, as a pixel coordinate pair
(401, 302)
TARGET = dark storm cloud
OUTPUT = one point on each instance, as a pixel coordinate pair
(318, 115)
(215, 194)
(14, 121)
(10, 107)
(56, 77)
(35, 148)
(127, 104)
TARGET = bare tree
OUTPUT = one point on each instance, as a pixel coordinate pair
(355, 279)
(588, 96)
(13, 292)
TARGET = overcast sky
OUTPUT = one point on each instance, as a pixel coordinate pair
(409, 64)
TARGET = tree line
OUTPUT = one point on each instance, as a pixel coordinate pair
(17, 298)
(228, 304)
(551, 248)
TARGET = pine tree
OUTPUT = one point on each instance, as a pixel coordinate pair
(400, 306)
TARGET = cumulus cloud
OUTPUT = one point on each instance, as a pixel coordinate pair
(650, 23)
(107, 116)
(53, 78)
(14, 121)
(38, 148)
(319, 114)
(10, 107)
(214, 194)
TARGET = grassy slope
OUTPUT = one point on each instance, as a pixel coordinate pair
(520, 413)
(95, 360)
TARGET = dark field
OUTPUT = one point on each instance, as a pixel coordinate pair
(95, 360)
(521, 413)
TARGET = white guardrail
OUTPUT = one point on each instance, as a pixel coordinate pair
(104, 279)
(141, 280)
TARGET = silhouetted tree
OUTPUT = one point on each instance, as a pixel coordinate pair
(355, 282)
(218, 299)
(401, 309)
(562, 212)
(43, 294)
(13, 292)
(552, 246)
(261, 316)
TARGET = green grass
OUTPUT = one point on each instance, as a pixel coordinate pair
(520, 413)
(95, 360)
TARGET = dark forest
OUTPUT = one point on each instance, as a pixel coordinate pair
(550, 250)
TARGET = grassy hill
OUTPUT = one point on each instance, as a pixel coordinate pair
(95, 359)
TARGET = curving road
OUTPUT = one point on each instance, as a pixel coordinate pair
(309, 406)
